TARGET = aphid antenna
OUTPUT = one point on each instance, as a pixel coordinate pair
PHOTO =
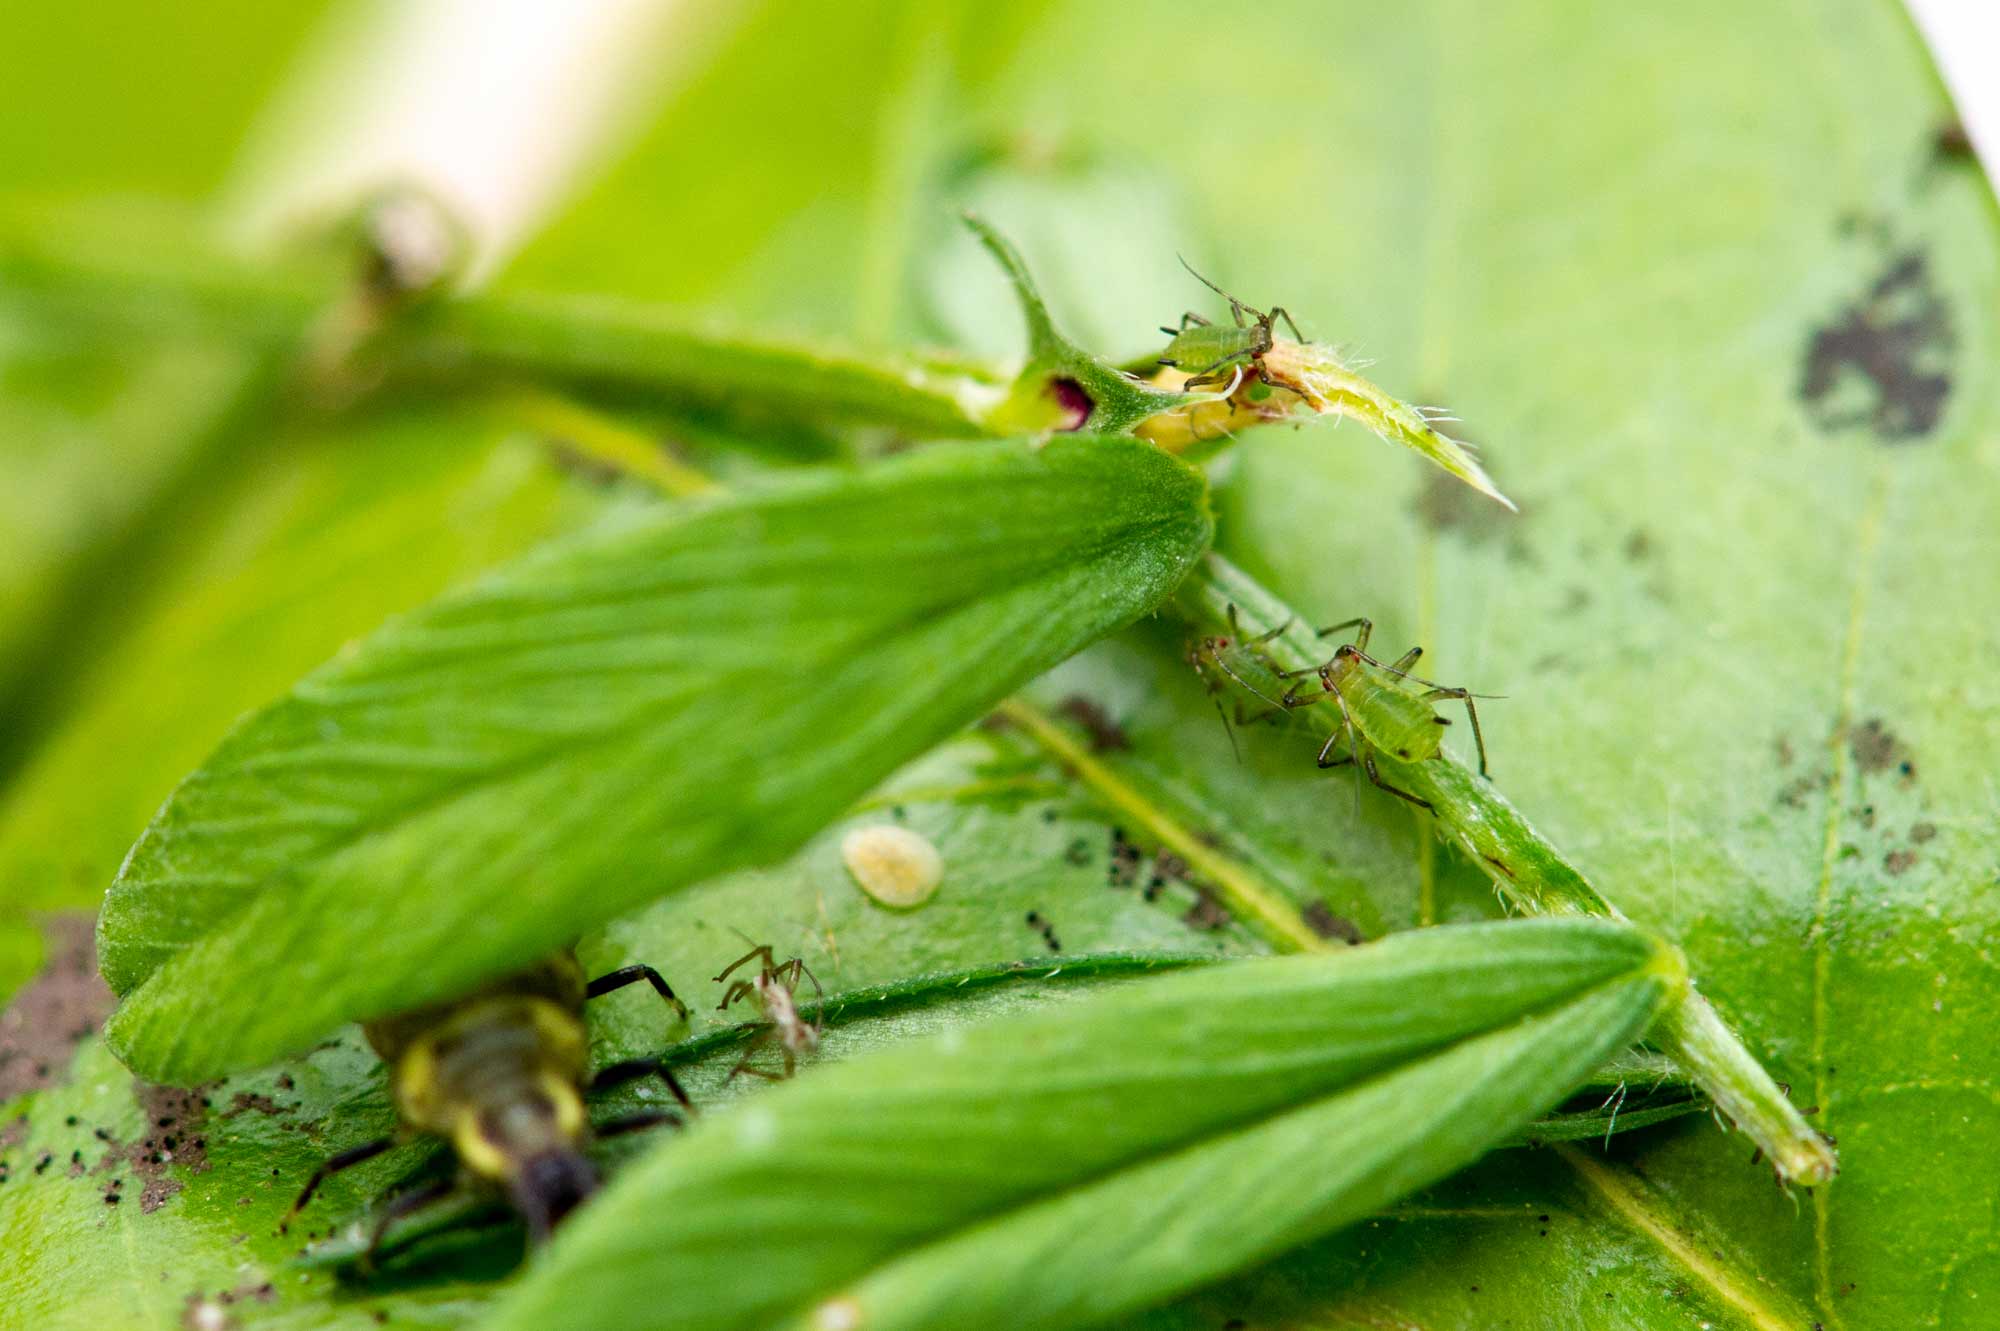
(1234, 300)
(1354, 765)
(1235, 749)
(1419, 679)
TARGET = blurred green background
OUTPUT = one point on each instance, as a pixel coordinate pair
(1745, 633)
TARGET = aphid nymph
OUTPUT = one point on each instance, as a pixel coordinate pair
(501, 1074)
(1210, 651)
(1208, 351)
(775, 987)
(1383, 708)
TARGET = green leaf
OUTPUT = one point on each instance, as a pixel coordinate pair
(203, 1197)
(1736, 601)
(283, 557)
(1045, 1171)
(567, 739)
(1062, 386)
(885, 981)
(1743, 592)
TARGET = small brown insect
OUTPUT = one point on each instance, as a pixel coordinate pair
(775, 987)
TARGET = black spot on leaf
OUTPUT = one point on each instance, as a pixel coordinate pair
(1106, 735)
(1319, 917)
(1884, 361)
(1876, 748)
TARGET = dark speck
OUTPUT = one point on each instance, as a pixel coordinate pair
(1876, 748)
(1106, 735)
(1319, 917)
(1884, 361)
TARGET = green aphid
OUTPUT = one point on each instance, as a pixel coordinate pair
(1212, 353)
(1383, 708)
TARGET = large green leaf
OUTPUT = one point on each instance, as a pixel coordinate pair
(1057, 1170)
(1742, 595)
(1735, 605)
(262, 1133)
(272, 567)
(572, 736)
(1628, 248)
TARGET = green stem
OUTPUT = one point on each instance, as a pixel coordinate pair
(167, 278)
(1528, 872)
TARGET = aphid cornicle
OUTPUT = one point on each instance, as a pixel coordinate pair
(1208, 352)
(774, 985)
(500, 1074)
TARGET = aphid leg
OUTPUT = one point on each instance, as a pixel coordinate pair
(1471, 712)
(1406, 660)
(333, 1165)
(650, 1118)
(798, 968)
(625, 975)
(1236, 630)
(1292, 697)
(751, 1070)
(402, 1204)
(1235, 750)
(1347, 730)
(631, 1069)
(750, 1051)
(741, 989)
(1278, 312)
(1337, 762)
(1364, 624)
(1235, 378)
(818, 1022)
(1213, 374)
(1368, 766)
(1245, 717)
(1190, 318)
(1212, 687)
(762, 950)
